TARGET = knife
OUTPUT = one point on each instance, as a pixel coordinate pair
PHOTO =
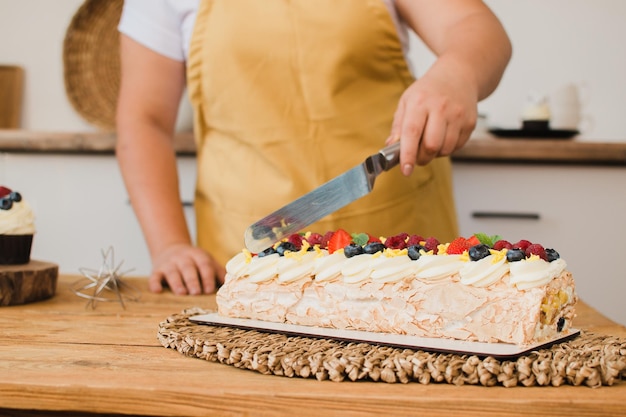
(325, 199)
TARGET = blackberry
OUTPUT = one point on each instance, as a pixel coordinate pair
(514, 255)
(552, 255)
(478, 252)
(352, 250)
(372, 248)
(414, 252)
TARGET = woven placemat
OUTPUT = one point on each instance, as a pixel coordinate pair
(590, 359)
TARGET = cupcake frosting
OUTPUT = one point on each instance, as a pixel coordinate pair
(18, 219)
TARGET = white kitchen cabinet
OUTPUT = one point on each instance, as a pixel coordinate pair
(82, 208)
(578, 210)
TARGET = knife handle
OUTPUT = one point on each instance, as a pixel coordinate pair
(391, 156)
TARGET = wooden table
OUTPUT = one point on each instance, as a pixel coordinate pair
(58, 358)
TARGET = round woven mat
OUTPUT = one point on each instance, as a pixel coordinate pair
(590, 359)
(91, 61)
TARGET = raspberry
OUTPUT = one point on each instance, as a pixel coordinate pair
(414, 240)
(397, 241)
(431, 244)
(458, 246)
(536, 249)
(315, 239)
(502, 244)
(4, 191)
(325, 239)
(296, 240)
(522, 244)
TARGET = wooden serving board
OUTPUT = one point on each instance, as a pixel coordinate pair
(21, 284)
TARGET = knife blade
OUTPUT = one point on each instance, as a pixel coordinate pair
(322, 201)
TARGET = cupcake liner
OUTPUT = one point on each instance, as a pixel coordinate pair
(15, 249)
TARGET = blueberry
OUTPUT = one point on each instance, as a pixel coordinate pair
(352, 250)
(15, 196)
(552, 255)
(6, 203)
(414, 251)
(286, 247)
(266, 252)
(478, 252)
(373, 247)
(514, 255)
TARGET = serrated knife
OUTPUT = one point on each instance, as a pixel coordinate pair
(322, 201)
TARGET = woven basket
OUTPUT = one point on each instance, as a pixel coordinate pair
(91, 61)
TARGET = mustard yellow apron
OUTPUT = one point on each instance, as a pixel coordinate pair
(289, 94)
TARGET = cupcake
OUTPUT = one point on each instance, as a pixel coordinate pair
(16, 228)
(536, 114)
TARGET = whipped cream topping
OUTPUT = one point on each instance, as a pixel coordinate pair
(395, 266)
(18, 220)
(534, 272)
(486, 271)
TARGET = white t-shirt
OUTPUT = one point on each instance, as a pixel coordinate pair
(165, 26)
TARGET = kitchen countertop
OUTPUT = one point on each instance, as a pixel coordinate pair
(487, 149)
(58, 357)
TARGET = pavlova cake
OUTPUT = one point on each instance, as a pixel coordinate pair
(481, 288)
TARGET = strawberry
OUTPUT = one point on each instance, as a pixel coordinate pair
(458, 246)
(4, 191)
(502, 244)
(473, 241)
(339, 240)
(372, 239)
(536, 249)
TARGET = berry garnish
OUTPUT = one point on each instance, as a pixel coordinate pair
(397, 241)
(414, 240)
(285, 247)
(315, 239)
(372, 248)
(552, 255)
(4, 191)
(325, 239)
(502, 244)
(296, 240)
(266, 252)
(458, 246)
(473, 241)
(478, 252)
(352, 250)
(536, 249)
(6, 203)
(414, 252)
(339, 240)
(431, 245)
(522, 244)
(515, 255)
(15, 196)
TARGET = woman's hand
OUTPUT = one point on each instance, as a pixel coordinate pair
(187, 270)
(438, 112)
(435, 117)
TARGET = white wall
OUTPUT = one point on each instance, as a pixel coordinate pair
(555, 42)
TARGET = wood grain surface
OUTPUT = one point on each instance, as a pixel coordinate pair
(59, 357)
(11, 90)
